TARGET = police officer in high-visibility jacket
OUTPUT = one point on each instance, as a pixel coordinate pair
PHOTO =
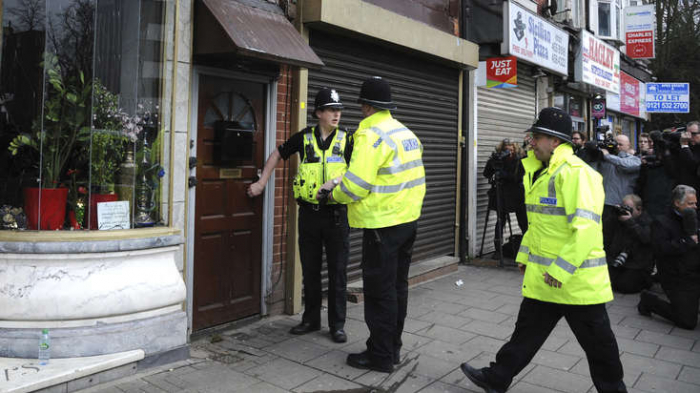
(562, 258)
(384, 189)
(325, 151)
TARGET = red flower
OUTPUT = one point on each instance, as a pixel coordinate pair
(82, 190)
(72, 171)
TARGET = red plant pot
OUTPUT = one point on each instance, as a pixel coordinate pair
(47, 213)
(94, 200)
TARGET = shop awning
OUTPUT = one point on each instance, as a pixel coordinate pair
(262, 34)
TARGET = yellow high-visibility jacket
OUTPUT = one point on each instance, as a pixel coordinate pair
(564, 237)
(385, 181)
(322, 166)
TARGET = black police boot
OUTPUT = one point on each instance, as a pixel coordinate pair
(478, 378)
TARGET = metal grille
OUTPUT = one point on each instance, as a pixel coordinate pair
(501, 113)
(426, 94)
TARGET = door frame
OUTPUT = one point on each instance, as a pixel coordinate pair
(268, 209)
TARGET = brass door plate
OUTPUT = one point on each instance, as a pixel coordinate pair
(230, 173)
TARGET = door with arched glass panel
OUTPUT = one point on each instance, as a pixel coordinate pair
(228, 224)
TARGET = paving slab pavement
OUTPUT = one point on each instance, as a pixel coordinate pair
(447, 324)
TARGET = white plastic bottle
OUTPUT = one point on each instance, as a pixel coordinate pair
(44, 347)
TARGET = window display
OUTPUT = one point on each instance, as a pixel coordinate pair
(82, 88)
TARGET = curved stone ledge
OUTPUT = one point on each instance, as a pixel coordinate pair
(152, 335)
(73, 287)
(93, 246)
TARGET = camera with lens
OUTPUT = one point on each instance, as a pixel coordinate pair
(500, 156)
(620, 259)
(622, 210)
(604, 142)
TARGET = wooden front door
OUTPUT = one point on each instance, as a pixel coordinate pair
(228, 224)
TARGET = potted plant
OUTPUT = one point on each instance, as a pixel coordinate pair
(63, 127)
(106, 150)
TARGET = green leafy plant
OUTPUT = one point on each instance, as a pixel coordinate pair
(64, 126)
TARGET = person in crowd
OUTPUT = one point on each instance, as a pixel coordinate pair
(688, 159)
(675, 243)
(646, 146)
(324, 150)
(384, 188)
(563, 262)
(620, 172)
(505, 173)
(657, 175)
(577, 140)
(629, 253)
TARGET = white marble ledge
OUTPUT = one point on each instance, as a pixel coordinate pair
(26, 375)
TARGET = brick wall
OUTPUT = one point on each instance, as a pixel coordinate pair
(282, 195)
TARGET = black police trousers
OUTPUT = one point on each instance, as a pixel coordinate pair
(324, 227)
(386, 257)
(536, 320)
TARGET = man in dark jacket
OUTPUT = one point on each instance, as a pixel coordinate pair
(505, 173)
(689, 156)
(675, 243)
(657, 176)
(629, 253)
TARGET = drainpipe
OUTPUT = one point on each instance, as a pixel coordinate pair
(463, 186)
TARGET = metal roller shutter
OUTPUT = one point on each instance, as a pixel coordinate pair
(427, 98)
(501, 113)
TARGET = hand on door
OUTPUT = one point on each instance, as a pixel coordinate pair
(255, 189)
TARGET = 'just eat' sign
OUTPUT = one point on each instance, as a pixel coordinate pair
(502, 72)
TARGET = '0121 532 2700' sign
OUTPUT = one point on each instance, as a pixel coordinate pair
(668, 97)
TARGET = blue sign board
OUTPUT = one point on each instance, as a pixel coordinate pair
(668, 97)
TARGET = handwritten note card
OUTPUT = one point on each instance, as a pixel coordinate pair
(113, 215)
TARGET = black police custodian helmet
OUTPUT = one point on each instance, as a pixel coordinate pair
(554, 122)
(377, 93)
(327, 98)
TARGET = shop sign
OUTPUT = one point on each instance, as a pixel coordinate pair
(534, 39)
(598, 64)
(598, 108)
(629, 95)
(639, 31)
(502, 72)
(612, 101)
(668, 97)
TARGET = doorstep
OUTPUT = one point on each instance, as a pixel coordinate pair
(26, 375)
(418, 273)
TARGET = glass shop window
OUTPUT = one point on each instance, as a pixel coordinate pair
(84, 114)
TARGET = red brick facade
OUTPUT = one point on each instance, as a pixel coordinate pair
(282, 194)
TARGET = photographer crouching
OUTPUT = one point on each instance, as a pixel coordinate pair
(505, 173)
(675, 243)
(629, 252)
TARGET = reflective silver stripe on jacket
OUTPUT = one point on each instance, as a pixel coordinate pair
(401, 167)
(398, 187)
(358, 180)
(395, 130)
(548, 210)
(565, 265)
(349, 193)
(584, 214)
(524, 249)
(544, 261)
(552, 190)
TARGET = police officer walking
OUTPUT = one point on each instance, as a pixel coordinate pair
(324, 153)
(384, 189)
(562, 258)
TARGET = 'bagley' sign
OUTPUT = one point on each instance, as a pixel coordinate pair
(535, 40)
(598, 64)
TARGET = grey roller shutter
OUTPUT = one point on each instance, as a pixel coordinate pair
(426, 94)
(501, 113)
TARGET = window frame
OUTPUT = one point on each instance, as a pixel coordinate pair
(615, 19)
